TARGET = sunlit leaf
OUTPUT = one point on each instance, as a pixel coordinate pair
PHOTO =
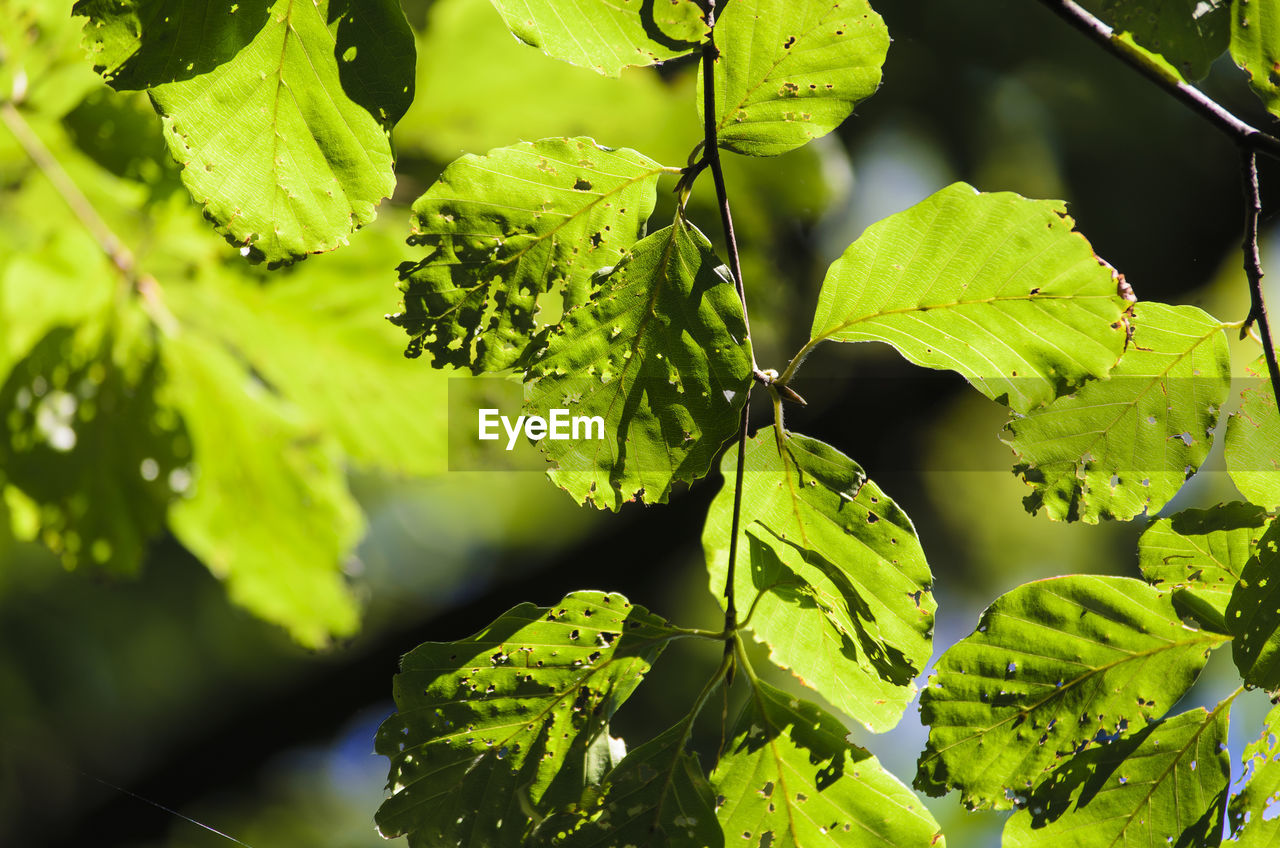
(507, 227)
(1251, 810)
(499, 726)
(657, 796)
(1190, 34)
(994, 286)
(1255, 47)
(792, 70)
(1251, 614)
(606, 35)
(280, 112)
(320, 340)
(660, 356)
(89, 445)
(1253, 433)
(1164, 784)
(789, 777)
(268, 510)
(831, 572)
(1200, 554)
(1119, 447)
(1053, 666)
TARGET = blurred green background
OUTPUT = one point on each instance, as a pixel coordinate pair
(117, 695)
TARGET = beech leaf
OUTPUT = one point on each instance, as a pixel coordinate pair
(660, 355)
(994, 286)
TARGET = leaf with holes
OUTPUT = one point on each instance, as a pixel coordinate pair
(1253, 433)
(789, 777)
(1252, 823)
(269, 511)
(279, 112)
(656, 796)
(504, 229)
(1190, 34)
(660, 359)
(1165, 784)
(1054, 666)
(1119, 447)
(1252, 617)
(1199, 555)
(792, 70)
(606, 35)
(994, 286)
(504, 722)
(88, 442)
(830, 572)
(1255, 47)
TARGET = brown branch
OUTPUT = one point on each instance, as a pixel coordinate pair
(121, 258)
(1253, 269)
(711, 156)
(1242, 133)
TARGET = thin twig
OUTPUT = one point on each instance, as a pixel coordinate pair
(1253, 269)
(711, 155)
(119, 255)
(1243, 133)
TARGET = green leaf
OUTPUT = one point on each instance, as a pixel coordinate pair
(495, 730)
(657, 796)
(791, 71)
(1119, 447)
(88, 444)
(994, 286)
(833, 571)
(270, 513)
(1251, 614)
(1250, 444)
(1190, 34)
(1250, 825)
(660, 355)
(568, 208)
(280, 112)
(606, 35)
(1053, 665)
(319, 340)
(1165, 784)
(1255, 47)
(789, 777)
(1199, 555)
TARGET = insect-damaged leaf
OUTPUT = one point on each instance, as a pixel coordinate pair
(1253, 434)
(1053, 665)
(1200, 554)
(1251, 826)
(505, 228)
(833, 568)
(501, 724)
(792, 70)
(789, 777)
(1251, 613)
(994, 286)
(1255, 47)
(1121, 446)
(657, 796)
(660, 355)
(280, 112)
(1190, 34)
(606, 35)
(1165, 784)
